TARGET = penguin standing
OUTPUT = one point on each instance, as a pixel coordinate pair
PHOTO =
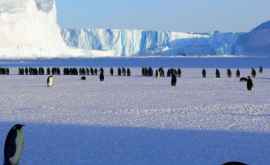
(253, 73)
(217, 73)
(173, 80)
(261, 69)
(234, 163)
(249, 82)
(204, 73)
(14, 145)
(238, 73)
(101, 76)
(50, 80)
(229, 73)
(111, 71)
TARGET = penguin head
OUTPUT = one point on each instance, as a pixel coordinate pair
(18, 127)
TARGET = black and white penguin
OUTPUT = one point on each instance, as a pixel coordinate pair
(14, 145)
(173, 80)
(253, 73)
(261, 69)
(204, 73)
(234, 163)
(101, 76)
(229, 73)
(249, 82)
(83, 78)
(217, 73)
(50, 80)
(128, 72)
(238, 73)
(111, 71)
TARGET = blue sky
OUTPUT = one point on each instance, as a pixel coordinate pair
(176, 15)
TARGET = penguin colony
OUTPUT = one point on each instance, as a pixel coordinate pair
(172, 73)
(14, 145)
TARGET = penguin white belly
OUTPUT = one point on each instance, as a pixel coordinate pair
(19, 148)
(50, 83)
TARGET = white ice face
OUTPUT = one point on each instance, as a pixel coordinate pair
(12, 6)
(45, 5)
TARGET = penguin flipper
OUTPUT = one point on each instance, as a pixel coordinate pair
(243, 79)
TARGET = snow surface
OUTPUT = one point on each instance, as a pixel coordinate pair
(137, 120)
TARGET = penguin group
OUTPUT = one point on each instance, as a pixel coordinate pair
(121, 71)
(125, 72)
(39, 71)
(4, 71)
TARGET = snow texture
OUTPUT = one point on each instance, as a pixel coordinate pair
(139, 121)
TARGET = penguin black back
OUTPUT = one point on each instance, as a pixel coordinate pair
(217, 73)
(10, 145)
(173, 80)
(204, 73)
(238, 73)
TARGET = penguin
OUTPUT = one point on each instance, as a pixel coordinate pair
(156, 74)
(229, 73)
(101, 76)
(238, 73)
(83, 78)
(173, 80)
(128, 72)
(119, 72)
(204, 73)
(111, 71)
(261, 69)
(253, 73)
(50, 80)
(14, 145)
(249, 82)
(217, 73)
(179, 72)
(234, 163)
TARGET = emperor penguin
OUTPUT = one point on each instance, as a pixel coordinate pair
(249, 82)
(50, 80)
(234, 163)
(14, 145)
(173, 80)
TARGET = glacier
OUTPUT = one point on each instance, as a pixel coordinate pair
(141, 42)
(29, 29)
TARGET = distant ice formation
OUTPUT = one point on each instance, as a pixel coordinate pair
(29, 29)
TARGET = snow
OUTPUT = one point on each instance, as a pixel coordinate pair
(138, 120)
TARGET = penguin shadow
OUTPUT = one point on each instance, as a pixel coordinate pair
(79, 145)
